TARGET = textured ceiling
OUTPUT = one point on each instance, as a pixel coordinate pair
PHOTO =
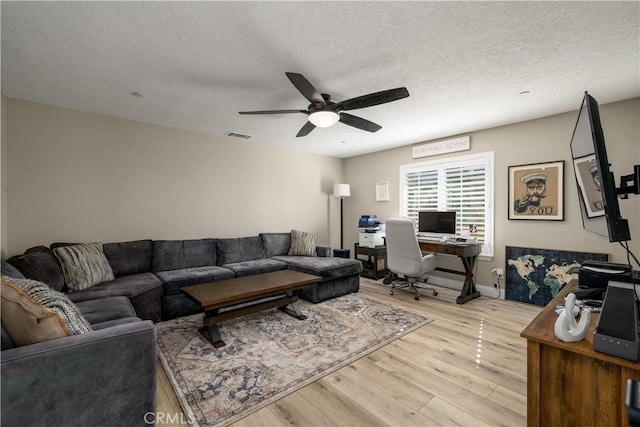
(198, 63)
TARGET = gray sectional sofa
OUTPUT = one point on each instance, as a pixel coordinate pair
(59, 381)
(151, 272)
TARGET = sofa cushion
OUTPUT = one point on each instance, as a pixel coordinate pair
(303, 243)
(32, 312)
(256, 266)
(241, 249)
(276, 243)
(330, 289)
(326, 267)
(84, 265)
(178, 305)
(139, 288)
(322, 250)
(105, 309)
(178, 254)
(173, 280)
(129, 257)
(39, 263)
(11, 271)
(114, 322)
(6, 340)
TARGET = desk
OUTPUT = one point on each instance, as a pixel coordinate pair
(468, 254)
(570, 384)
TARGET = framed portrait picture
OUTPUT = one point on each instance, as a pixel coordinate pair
(589, 182)
(536, 191)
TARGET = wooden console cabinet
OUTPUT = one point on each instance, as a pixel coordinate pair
(570, 384)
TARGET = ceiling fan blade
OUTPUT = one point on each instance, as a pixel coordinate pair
(375, 98)
(304, 131)
(274, 112)
(359, 122)
(306, 89)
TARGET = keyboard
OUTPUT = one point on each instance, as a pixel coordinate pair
(450, 240)
(429, 238)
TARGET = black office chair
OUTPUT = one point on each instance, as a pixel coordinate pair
(632, 400)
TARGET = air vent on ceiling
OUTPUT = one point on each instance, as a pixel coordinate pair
(237, 135)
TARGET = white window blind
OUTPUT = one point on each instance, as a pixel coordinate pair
(463, 184)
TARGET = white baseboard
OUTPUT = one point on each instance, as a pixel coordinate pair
(445, 282)
(485, 290)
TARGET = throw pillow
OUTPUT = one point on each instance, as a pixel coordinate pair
(276, 243)
(83, 265)
(32, 312)
(303, 243)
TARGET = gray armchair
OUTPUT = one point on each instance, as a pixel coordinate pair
(404, 257)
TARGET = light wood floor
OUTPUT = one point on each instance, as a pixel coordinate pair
(467, 367)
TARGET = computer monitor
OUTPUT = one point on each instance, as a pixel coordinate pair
(437, 222)
(597, 190)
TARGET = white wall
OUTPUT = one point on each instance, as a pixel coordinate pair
(535, 141)
(80, 177)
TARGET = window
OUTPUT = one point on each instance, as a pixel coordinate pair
(463, 184)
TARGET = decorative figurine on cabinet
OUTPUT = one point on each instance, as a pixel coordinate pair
(566, 327)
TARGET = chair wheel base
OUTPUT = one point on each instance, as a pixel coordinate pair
(412, 287)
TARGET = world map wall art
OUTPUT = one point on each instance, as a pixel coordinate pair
(536, 275)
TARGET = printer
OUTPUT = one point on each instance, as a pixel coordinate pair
(371, 231)
(597, 274)
(368, 224)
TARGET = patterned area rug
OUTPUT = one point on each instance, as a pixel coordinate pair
(270, 354)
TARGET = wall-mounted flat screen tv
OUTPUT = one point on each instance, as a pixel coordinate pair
(597, 190)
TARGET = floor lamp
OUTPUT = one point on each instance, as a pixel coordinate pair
(341, 191)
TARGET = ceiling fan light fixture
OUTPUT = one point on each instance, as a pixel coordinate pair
(323, 113)
(324, 119)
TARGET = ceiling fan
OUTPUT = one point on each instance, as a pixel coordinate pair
(323, 112)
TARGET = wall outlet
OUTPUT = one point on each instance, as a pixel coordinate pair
(499, 272)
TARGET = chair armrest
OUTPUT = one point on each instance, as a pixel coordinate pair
(90, 379)
(323, 250)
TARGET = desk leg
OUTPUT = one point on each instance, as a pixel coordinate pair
(469, 291)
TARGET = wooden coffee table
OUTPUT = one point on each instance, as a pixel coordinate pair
(244, 295)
